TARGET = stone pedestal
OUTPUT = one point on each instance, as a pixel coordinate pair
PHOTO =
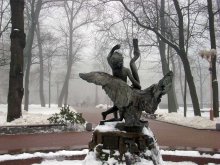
(88, 126)
(218, 126)
(110, 142)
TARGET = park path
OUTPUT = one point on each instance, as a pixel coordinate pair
(168, 136)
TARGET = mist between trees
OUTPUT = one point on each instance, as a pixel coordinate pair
(65, 37)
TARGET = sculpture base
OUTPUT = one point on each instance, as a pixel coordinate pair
(110, 142)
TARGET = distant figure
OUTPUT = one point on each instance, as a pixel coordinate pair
(116, 62)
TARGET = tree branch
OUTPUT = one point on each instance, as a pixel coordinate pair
(174, 46)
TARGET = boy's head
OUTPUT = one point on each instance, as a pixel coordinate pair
(117, 60)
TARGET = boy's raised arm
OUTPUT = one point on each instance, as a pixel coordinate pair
(112, 51)
(135, 83)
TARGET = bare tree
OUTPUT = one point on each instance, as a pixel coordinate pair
(15, 92)
(178, 47)
(35, 8)
(41, 79)
(51, 51)
(172, 104)
(213, 60)
(4, 8)
(73, 10)
(4, 26)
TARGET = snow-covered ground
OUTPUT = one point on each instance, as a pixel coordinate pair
(50, 158)
(39, 115)
(35, 115)
(190, 120)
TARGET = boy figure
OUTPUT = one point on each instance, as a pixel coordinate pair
(116, 61)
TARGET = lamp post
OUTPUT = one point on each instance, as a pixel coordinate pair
(209, 55)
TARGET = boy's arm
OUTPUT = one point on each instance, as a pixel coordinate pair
(111, 52)
(132, 62)
(135, 83)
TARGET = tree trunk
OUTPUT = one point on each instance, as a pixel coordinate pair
(27, 53)
(66, 95)
(41, 80)
(183, 55)
(184, 98)
(180, 79)
(15, 91)
(28, 56)
(201, 86)
(174, 77)
(191, 85)
(64, 90)
(172, 107)
(213, 62)
(49, 85)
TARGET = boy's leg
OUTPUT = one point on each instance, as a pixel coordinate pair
(113, 109)
(116, 114)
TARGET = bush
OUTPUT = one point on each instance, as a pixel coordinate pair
(66, 116)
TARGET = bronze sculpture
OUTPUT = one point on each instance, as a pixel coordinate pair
(116, 62)
(132, 135)
(130, 101)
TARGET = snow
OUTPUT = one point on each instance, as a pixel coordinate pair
(50, 158)
(49, 155)
(103, 106)
(110, 162)
(108, 126)
(39, 115)
(147, 131)
(189, 154)
(35, 115)
(198, 122)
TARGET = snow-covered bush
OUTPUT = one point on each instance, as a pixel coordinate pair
(66, 116)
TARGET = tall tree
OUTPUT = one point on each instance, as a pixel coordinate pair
(178, 47)
(34, 15)
(172, 104)
(15, 92)
(73, 10)
(213, 60)
(41, 79)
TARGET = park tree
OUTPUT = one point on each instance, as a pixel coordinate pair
(161, 24)
(51, 51)
(178, 46)
(214, 80)
(41, 61)
(4, 12)
(33, 12)
(15, 91)
(78, 15)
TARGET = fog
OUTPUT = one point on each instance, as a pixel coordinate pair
(54, 21)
